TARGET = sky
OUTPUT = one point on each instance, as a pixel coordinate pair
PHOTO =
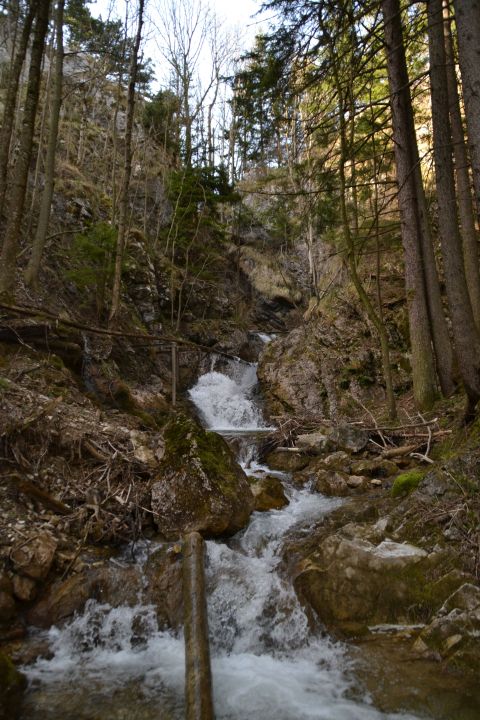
(235, 14)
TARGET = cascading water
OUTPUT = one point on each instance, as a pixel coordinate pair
(114, 663)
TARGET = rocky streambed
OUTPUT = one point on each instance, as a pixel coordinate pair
(339, 600)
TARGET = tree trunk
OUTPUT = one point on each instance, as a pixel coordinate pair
(33, 268)
(423, 368)
(467, 18)
(11, 99)
(464, 195)
(20, 177)
(124, 204)
(467, 340)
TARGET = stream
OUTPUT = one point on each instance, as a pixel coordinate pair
(267, 662)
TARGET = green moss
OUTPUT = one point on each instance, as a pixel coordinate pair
(406, 482)
(184, 439)
(4, 383)
(56, 362)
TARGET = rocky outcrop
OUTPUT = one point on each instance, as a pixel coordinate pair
(454, 631)
(158, 582)
(199, 486)
(266, 276)
(359, 576)
(327, 367)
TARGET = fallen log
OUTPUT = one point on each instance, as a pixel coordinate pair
(198, 677)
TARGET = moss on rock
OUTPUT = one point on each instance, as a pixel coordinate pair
(200, 486)
(406, 482)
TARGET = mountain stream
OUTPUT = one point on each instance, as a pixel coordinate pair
(115, 664)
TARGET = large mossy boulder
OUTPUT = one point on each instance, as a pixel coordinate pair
(200, 486)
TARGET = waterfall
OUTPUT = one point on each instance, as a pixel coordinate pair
(226, 400)
(267, 663)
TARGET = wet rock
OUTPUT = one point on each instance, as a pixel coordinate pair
(330, 482)
(268, 494)
(454, 631)
(12, 685)
(114, 585)
(350, 579)
(7, 602)
(199, 487)
(34, 557)
(287, 461)
(163, 573)
(24, 588)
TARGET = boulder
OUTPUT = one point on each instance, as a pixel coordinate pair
(33, 557)
(375, 468)
(200, 487)
(316, 443)
(268, 494)
(454, 631)
(163, 574)
(24, 588)
(7, 602)
(107, 583)
(348, 437)
(350, 579)
(12, 685)
(331, 482)
(158, 583)
(356, 482)
(286, 461)
(291, 374)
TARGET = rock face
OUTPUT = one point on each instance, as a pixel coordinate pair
(455, 630)
(267, 277)
(291, 375)
(350, 579)
(200, 487)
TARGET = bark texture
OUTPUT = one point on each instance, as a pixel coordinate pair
(466, 337)
(20, 176)
(423, 368)
(33, 268)
(467, 18)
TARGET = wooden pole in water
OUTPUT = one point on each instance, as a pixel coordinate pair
(198, 676)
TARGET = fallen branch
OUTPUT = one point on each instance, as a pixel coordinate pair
(43, 497)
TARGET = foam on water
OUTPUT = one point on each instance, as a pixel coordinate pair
(226, 401)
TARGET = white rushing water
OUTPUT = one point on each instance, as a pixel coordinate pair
(226, 400)
(267, 663)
